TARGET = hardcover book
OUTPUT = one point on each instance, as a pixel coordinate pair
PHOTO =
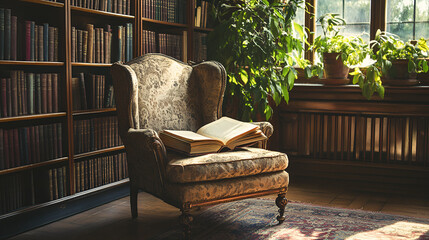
(213, 137)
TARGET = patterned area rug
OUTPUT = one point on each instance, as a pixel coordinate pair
(256, 219)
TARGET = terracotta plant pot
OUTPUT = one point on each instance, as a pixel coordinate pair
(398, 74)
(399, 70)
(334, 66)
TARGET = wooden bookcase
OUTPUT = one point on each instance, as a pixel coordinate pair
(33, 180)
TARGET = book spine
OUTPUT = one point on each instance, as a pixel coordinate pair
(45, 42)
(84, 46)
(38, 94)
(55, 99)
(30, 82)
(7, 35)
(28, 40)
(3, 86)
(2, 33)
(90, 29)
(73, 44)
(51, 42)
(79, 45)
(40, 43)
(49, 92)
(56, 44)
(14, 38)
(44, 89)
(35, 43)
(32, 41)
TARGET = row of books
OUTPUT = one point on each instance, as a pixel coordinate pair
(91, 92)
(41, 42)
(168, 44)
(96, 133)
(100, 171)
(8, 35)
(15, 192)
(57, 183)
(200, 46)
(201, 12)
(28, 145)
(28, 93)
(102, 45)
(115, 6)
(165, 10)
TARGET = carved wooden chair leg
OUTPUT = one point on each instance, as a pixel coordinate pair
(281, 202)
(186, 220)
(133, 200)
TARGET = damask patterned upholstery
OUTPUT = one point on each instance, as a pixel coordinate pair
(156, 92)
(239, 163)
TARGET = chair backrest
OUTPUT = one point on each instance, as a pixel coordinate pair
(158, 92)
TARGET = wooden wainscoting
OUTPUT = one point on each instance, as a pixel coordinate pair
(333, 132)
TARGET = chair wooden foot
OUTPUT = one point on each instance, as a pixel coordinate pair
(281, 202)
(133, 201)
(186, 220)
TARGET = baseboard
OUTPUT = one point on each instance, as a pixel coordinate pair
(42, 214)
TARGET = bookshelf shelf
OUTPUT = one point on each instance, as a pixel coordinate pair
(171, 24)
(99, 152)
(204, 30)
(99, 12)
(93, 112)
(81, 64)
(31, 63)
(32, 166)
(45, 2)
(33, 117)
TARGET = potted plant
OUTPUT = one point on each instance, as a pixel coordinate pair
(259, 45)
(395, 63)
(338, 52)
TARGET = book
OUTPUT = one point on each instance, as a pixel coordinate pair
(2, 33)
(224, 133)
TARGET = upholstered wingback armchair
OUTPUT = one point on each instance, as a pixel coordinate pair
(156, 92)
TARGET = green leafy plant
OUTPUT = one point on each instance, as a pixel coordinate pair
(259, 45)
(352, 50)
(386, 48)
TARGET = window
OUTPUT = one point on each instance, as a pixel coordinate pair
(357, 14)
(409, 19)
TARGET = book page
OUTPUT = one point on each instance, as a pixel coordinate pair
(225, 129)
(188, 135)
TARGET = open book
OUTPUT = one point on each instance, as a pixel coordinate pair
(213, 137)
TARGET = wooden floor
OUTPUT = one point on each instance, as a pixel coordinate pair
(113, 220)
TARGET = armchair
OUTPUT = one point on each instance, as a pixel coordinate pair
(156, 92)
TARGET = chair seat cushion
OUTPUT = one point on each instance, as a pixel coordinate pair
(179, 193)
(239, 163)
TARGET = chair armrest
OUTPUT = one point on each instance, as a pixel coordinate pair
(147, 159)
(267, 129)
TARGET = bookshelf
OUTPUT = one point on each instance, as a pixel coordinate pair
(58, 125)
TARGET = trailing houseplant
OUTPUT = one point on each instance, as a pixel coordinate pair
(259, 45)
(389, 53)
(338, 52)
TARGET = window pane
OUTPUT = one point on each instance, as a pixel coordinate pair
(357, 11)
(403, 30)
(422, 11)
(400, 11)
(422, 30)
(300, 15)
(353, 11)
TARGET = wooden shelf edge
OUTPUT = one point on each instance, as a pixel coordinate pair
(81, 64)
(45, 2)
(100, 12)
(32, 166)
(181, 25)
(98, 152)
(93, 111)
(31, 63)
(32, 117)
(67, 198)
(200, 29)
